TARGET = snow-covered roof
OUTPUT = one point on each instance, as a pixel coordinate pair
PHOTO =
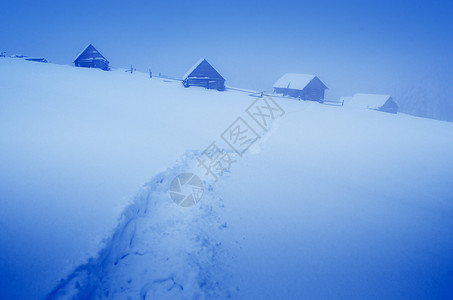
(203, 69)
(294, 81)
(193, 68)
(346, 98)
(373, 101)
(81, 52)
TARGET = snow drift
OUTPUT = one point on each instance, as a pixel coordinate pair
(330, 203)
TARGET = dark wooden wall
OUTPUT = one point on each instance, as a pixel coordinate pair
(206, 76)
(314, 91)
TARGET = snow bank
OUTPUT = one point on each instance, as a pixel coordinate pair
(76, 146)
(159, 250)
(332, 202)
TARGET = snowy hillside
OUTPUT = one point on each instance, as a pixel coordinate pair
(329, 202)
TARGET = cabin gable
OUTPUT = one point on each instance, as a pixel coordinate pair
(302, 86)
(390, 106)
(203, 74)
(92, 58)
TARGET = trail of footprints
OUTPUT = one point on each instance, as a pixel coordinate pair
(158, 250)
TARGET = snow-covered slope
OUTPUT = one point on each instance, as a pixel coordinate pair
(76, 145)
(330, 203)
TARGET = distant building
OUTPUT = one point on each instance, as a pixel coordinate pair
(91, 58)
(383, 103)
(204, 75)
(18, 56)
(37, 59)
(303, 86)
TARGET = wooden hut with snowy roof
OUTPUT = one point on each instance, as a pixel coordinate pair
(303, 86)
(204, 75)
(91, 58)
(383, 103)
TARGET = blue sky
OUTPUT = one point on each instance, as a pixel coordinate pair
(353, 46)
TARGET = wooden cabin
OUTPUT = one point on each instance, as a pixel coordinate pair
(204, 75)
(378, 102)
(92, 58)
(302, 86)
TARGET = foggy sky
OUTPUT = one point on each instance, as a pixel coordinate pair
(393, 47)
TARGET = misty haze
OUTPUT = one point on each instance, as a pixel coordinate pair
(214, 150)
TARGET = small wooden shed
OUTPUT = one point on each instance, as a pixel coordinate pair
(379, 102)
(91, 58)
(204, 75)
(303, 86)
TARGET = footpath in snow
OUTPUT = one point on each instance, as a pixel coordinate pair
(330, 202)
(158, 250)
